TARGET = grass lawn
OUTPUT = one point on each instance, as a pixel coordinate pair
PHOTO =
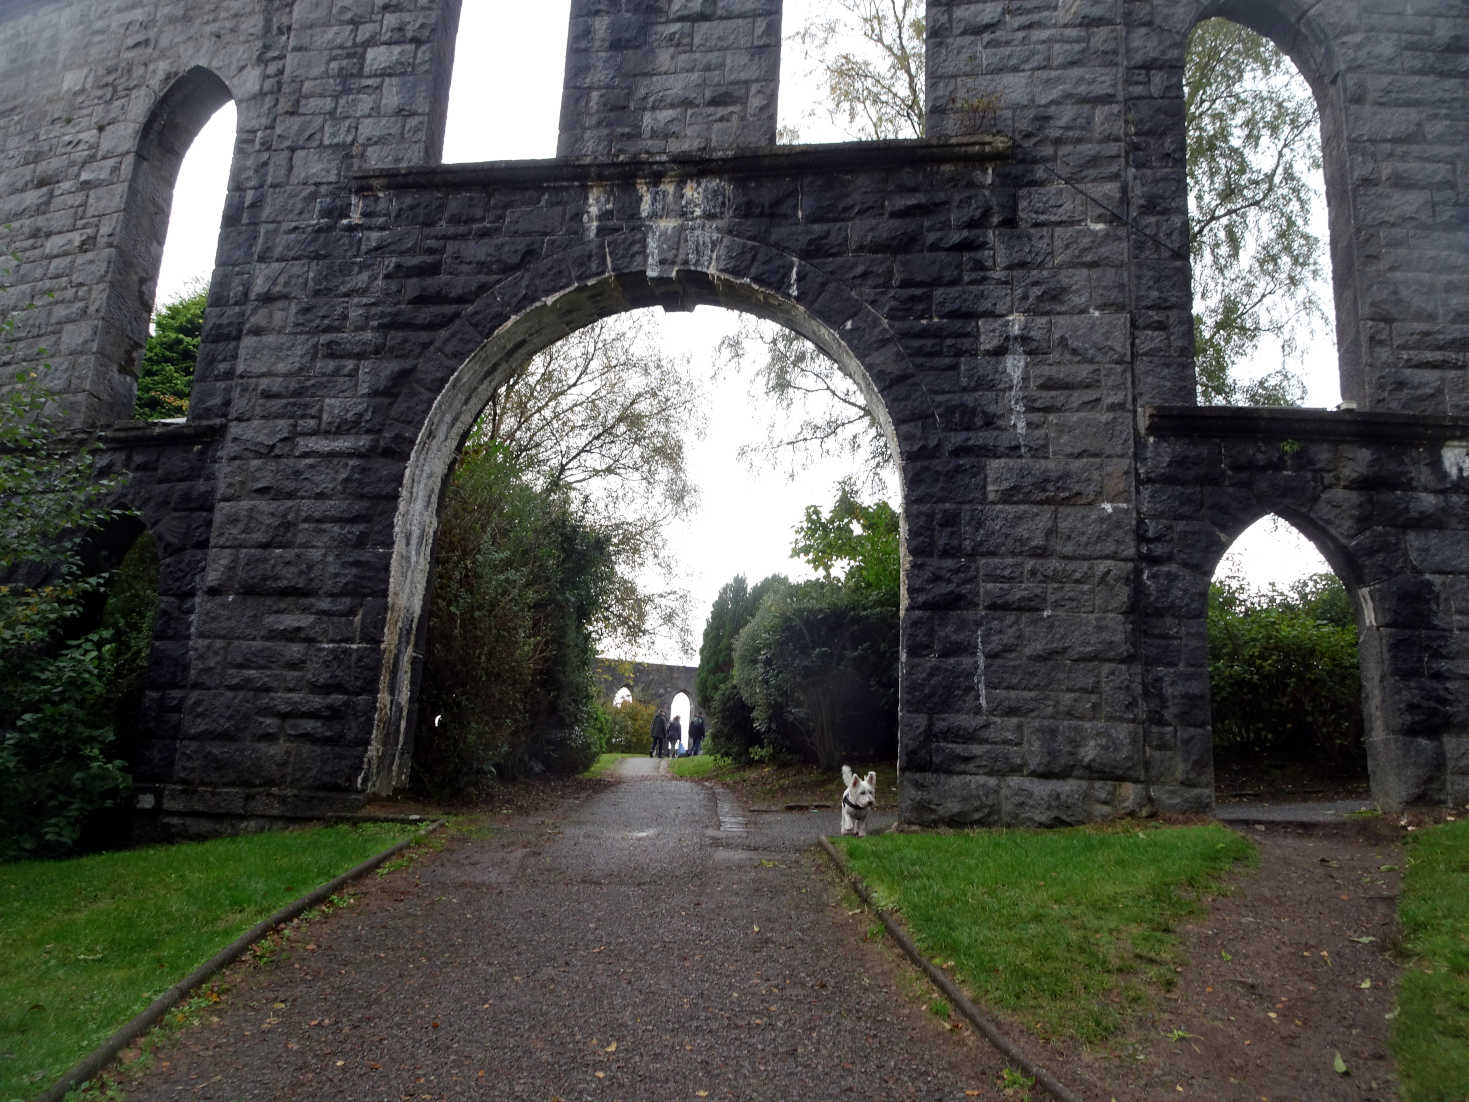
(1065, 930)
(1429, 1033)
(86, 943)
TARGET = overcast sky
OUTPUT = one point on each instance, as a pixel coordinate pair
(503, 105)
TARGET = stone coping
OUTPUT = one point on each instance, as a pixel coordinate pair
(782, 160)
(1289, 423)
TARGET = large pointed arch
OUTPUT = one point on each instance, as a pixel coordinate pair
(500, 333)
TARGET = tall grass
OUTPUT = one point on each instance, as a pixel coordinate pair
(1430, 1035)
(1066, 930)
(86, 943)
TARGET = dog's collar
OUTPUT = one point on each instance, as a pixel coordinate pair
(857, 811)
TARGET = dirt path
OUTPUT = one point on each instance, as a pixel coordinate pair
(647, 942)
(1281, 977)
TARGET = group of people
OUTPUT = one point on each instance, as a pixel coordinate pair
(668, 736)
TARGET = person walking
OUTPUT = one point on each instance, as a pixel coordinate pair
(660, 735)
(675, 735)
(696, 734)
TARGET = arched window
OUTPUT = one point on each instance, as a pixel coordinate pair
(506, 54)
(621, 697)
(166, 375)
(177, 119)
(1285, 680)
(851, 70)
(1258, 226)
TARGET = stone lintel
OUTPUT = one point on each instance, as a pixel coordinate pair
(1305, 425)
(784, 160)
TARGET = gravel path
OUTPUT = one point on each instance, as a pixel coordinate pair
(652, 941)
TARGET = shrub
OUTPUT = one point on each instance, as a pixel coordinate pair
(507, 680)
(818, 667)
(1284, 674)
(624, 729)
(58, 767)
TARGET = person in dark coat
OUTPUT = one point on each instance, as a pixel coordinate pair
(696, 733)
(675, 736)
(660, 735)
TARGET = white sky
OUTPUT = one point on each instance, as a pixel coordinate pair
(508, 55)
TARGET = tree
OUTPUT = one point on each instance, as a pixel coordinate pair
(853, 543)
(58, 771)
(731, 731)
(1284, 676)
(601, 416)
(818, 667)
(820, 410)
(812, 669)
(520, 585)
(1253, 148)
(877, 85)
(167, 375)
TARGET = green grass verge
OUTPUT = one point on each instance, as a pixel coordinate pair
(605, 763)
(1428, 1034)
(1068, 931)
(87, 943)
(702, 767)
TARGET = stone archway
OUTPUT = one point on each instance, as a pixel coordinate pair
(683, 265)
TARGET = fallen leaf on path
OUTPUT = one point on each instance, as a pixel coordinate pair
(1339, 1065)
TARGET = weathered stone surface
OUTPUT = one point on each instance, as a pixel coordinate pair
(1018, 313)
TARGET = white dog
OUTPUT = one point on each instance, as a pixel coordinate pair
(859, 798)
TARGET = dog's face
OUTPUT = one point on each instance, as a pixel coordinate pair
(861, 791)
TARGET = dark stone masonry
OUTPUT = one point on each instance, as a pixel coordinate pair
(1011, 294)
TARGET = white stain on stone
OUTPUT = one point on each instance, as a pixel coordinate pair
(1015, 368)
(599, 202)
(792, 287)
(686, 216)
(979, 685)
(1455, 458)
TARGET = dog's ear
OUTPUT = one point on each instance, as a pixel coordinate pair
(872, 779)
(847, 775)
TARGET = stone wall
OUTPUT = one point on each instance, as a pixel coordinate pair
(652, 682)
(1010, 294)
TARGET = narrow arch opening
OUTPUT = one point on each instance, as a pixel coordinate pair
(505, 94)
(852, 70)
(622, 696)
(1263, 332)
(680, 715)
(167, 247)
(1285, 674)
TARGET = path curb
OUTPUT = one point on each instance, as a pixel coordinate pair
(105, 1053)
(976, 1017)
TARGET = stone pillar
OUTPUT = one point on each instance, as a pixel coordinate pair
(670, 76)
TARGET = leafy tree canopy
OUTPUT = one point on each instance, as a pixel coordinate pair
(601, 416)
(853, 543)
(167, 376)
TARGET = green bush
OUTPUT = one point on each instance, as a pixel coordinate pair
(624, 729)
(58, 766)
(507, 680)
(818, 667)
(166, 378)
(1284, 676)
